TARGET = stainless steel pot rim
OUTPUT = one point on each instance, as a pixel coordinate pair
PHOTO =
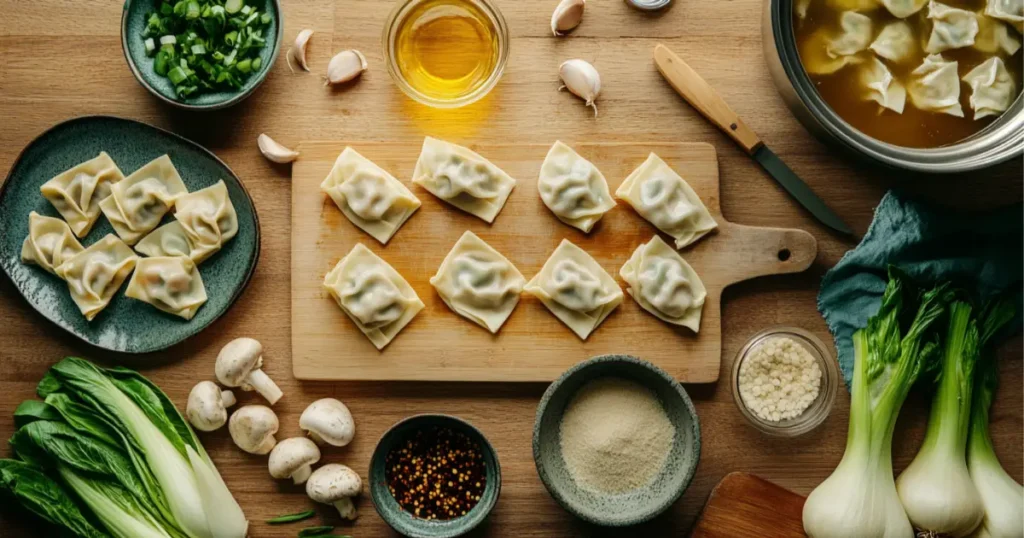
(1000, 141)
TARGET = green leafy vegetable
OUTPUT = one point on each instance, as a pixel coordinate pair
(209, 45)
(44, 497)
(291, 518)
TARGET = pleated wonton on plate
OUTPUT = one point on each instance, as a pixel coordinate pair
(138, 202)
(170, 283)
(49, 242)
(76, 193)
(208, 219)
(369, 196)
(95, 274)
(462, 178)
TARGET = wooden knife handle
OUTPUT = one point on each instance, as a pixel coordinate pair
(704, 98)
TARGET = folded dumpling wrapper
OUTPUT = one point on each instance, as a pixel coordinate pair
(952, 28)
(167, 240)
(882, 87)
(96, 273)
(935, 86)
(573, 188)
(373, 295)
(462, 178)
(896, 43)
(138, 202)
(76, 193)
(170, 283)
(992, 88)
(369, 196)
(663, 284)
(49, 242)
(208, 218)
(478, 283)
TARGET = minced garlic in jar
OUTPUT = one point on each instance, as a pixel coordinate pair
(779, 379)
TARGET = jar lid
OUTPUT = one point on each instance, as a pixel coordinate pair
(649, 5)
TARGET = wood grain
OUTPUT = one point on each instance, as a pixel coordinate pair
(745, 505)
(62, 58)
(439, 345)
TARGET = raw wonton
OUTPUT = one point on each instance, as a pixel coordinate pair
(576, 289)
(138, 202)
(208, 218)
(665, 285)
(992, 88)
(824, 53)
(904, 8)
(96, 273)
(666, 200)
(895, 42)
(478, 283)
(370, 197)
(1011, 11)
(952, 28)
(462, 178)
(167, 240)
(995, 36)
(935, 86)
(77, 193)
(170, 283)
(49, 242)
(373, 295)
(882, 87)
(573, 188)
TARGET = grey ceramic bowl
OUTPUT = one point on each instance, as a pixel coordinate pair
(133, 21)
(634, 506)
(404, 522)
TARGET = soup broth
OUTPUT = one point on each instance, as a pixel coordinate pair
(846, 94)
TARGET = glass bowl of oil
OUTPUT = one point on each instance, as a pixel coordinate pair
(446, 53)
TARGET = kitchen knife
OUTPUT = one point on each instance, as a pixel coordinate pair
(703, 97)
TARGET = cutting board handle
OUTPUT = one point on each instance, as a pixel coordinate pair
(752, 251)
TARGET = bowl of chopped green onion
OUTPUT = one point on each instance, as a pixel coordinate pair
(201, 54)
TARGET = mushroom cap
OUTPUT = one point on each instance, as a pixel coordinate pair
(328, 420)
(292, 454)
(252, 426)
(235, 360)
(205, 408)
(333, 482)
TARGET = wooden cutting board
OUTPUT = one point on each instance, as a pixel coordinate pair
(744, 506)
(532, 345)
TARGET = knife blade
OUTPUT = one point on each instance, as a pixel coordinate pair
(701, 96)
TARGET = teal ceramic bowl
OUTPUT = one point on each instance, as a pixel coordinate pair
(631, 507)
(133, 22)
(404, 522)
(125, 325)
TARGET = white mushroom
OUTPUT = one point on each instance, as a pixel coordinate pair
(293, 458)
(335, 484)
(238, 365)
(207, 406)
(328, 421)
(253, 427)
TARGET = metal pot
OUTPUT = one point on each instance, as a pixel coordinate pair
(1000, 141)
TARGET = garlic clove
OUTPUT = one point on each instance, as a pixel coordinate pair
(298, 50)
(275, 152)
(582, 79)
(568, 15)
(345, 66)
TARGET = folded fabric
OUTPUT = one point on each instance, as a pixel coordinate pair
(983, 252)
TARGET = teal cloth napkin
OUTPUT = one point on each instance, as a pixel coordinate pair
(983, 253)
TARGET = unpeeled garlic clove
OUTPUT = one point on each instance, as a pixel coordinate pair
(298, 50)
(345, 66)
(274, 151)
(568, 15)
(582, 79)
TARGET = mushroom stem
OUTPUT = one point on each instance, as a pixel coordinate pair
(262, 383)
(227, 398)
(316, 438)
(302, 474)
(346, 508)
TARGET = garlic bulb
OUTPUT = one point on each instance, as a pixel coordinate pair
(582, 79)
(298, 50)
(568, 15)
(275, 152)
(345, 66)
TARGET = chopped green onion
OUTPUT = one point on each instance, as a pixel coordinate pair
(233, 6)
(315, 531)
(256, 63)
(168, 40)
(291, 518)
(180, 7)
(160, 63)
(266, 18)
(246, 10)
(150, 46)
(198, 48)
(192, 10)
(177, 75)
(244, 66)
(231, 37)
(252, 18)
(166, 9)
(229, 60)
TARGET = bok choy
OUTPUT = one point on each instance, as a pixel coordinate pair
(114, 440)
(859, 499)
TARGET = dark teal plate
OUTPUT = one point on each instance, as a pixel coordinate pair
(126, 325)
(404, 522)
(133, 22)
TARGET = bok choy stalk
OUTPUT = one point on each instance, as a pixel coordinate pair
(1001, 495)
(44, 497)
(936, 489)
(859, 499)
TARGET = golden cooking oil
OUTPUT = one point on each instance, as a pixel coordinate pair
(446, 49)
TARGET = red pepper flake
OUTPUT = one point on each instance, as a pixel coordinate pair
(433, 465)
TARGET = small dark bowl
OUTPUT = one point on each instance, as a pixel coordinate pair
(133, 21)
(404, 522)
(632, 507)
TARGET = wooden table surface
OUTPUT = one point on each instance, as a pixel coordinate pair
(62, 58)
